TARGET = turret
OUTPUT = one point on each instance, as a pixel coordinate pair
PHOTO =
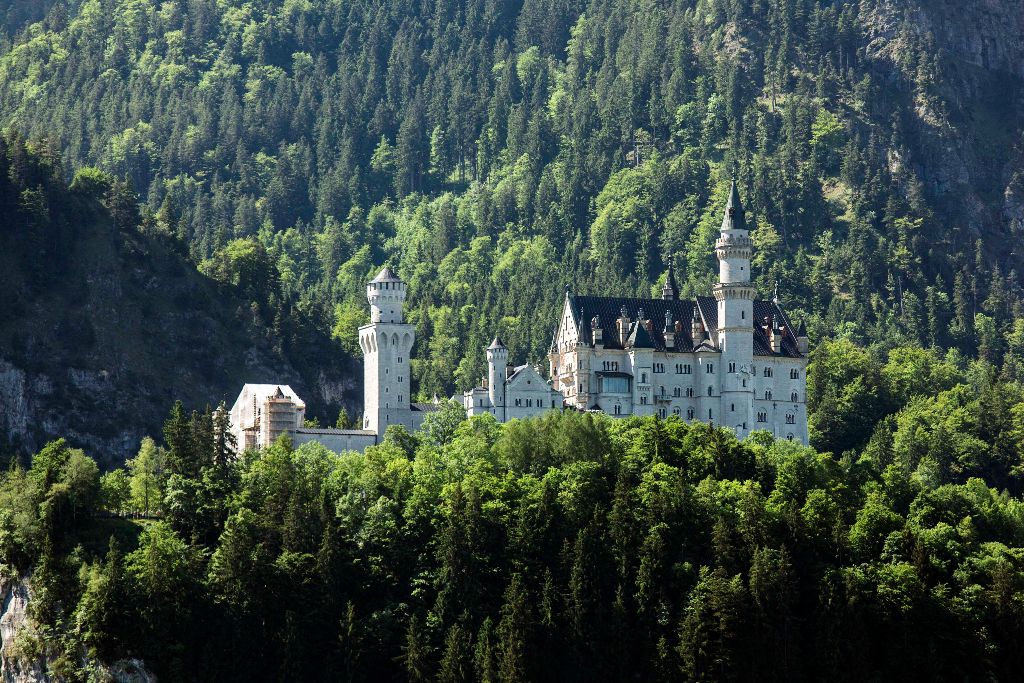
(497, 363)
(670, 331)
(802, 341)
(669, 292)
(386, 294)
(624, 323)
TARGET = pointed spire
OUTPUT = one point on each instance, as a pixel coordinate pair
(802, 331)
(670, 291)
(386, 275)
(496, 344)
(734, 218)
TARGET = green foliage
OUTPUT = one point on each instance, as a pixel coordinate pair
(494, 154)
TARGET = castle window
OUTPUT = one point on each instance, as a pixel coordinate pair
(732, 367)
(686, 369)
(732, 407)
(794, 397)
(767, 372)
(709, 391)
(643, 378)
(618, 410)
(794, 374)
(689, 413)
(744, 384)
(789, 437)
(689, 392)
(399, 359)
(762, 417)
(710, 368)
(790, 419)
(399, 398)
(519, 402)
(768, 395)
(663, 390)
(709, 413)
(675, 411)
(677, 391)
(743, 314)
(661, 413)
(529, 403)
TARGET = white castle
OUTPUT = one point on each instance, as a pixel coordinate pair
(729, 359)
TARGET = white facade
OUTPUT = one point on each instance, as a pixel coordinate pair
(262, 412)
(731, 360)
(510, 393)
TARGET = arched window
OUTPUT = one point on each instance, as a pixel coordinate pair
(689, 413)
(795, 397)
(709, 391)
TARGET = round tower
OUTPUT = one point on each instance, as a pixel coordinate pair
(497, 361)
(735, 297)
(386, 343)
(386, 294)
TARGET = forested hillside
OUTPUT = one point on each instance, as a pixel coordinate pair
(569, 548)
(495, 151)
(104, 323)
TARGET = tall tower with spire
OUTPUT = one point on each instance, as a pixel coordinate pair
(386, 343)
(735, 296)
(497, 362)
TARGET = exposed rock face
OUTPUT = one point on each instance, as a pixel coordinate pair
(16, 668)
(100, 354)
(964, 132)
(14, 598)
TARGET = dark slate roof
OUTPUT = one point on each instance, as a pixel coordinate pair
(606, 309)
(496, 344)
(386, 275)
(424, 407)
(640, 338)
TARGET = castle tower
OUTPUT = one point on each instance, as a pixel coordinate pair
(497, 362)
(735, 297)
(386, 343)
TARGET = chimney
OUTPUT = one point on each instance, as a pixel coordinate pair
(595, 326)
(624, 323)
(696, 326)
(670, 336)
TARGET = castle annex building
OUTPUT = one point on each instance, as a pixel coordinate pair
(731, 359)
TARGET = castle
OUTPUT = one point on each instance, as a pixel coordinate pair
(729, 359)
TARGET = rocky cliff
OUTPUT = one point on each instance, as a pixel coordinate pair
(955, 76)
(100, 336)
(18, 667)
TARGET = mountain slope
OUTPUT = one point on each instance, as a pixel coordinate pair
(105, 326)
(495, 152)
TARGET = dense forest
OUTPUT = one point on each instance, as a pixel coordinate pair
(106, 322)
(495, 152)
(570, 547)
(188, 184)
